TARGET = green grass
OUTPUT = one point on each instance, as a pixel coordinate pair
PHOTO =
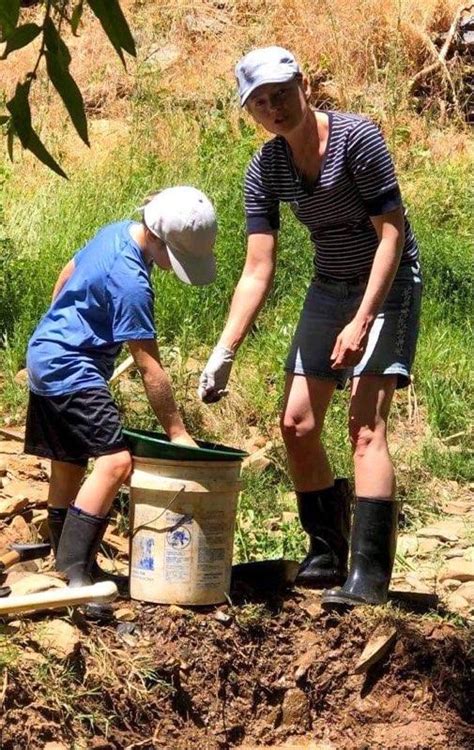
(41, 229)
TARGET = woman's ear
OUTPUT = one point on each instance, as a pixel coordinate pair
(306, 86)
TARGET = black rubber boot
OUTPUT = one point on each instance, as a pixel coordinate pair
(325, 516)
(80, 539)
(56, 518)
(373, 545)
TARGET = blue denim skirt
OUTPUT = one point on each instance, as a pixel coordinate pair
(330, 305)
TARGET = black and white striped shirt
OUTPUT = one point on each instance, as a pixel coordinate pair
(356, 180)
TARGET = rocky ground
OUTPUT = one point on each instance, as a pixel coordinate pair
(267, 670)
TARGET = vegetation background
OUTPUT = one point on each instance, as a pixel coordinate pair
(172, 117)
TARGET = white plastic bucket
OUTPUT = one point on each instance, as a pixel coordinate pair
(182, 519)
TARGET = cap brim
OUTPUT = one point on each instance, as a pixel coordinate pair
(193, 270)
(275, 78)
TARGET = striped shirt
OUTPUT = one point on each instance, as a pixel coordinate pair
(356, 181)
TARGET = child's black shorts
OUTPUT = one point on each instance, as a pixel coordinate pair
(74, 427)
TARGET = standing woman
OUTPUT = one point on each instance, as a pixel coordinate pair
(359, 319)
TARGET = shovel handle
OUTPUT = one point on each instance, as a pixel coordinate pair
(8, 559)
(22, 552)
(104, 591)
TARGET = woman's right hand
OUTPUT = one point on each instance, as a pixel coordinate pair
(214, 377)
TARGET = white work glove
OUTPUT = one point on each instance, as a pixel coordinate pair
(213, 381)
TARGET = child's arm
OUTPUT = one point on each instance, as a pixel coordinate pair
(63, 277)
(158, 389)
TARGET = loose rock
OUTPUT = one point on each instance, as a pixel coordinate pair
(458, 603)
(304, 662)
(17, 531)
(223, 617)
(466, 590)
(164, 58)
(451, 584)
(420, 586)
(36, 493)
(428, 545)
(442, 531)
(31, 584)
(456, 552)
(58, 638)
(407, 544)
(125, 614)
(375, 650)
(295, 708)
(259, 460)
(457, 507)
(176, 611)
(462, 570)
(21, 378)
(9, 506)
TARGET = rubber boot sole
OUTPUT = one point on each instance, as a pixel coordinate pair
(319, 583)
(339, 600)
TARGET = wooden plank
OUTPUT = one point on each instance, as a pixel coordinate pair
(12, 434)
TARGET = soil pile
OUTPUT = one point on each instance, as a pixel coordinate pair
(265, 670)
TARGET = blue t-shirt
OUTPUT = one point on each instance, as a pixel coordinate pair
(107, 300)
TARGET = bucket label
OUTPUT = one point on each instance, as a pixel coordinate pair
(145, 557)
(178, 548)
(173, 519)
(179, 538)
(212, 550)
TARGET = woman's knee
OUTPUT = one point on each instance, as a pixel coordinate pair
(365, 436)
(295, 428)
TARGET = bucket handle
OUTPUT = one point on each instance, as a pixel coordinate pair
(172, 528)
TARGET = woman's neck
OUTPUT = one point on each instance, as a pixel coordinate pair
(304, 138)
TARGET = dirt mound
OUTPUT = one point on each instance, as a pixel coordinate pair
(264, 671)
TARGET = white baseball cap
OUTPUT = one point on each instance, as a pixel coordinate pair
(264, 65)
(184, 218)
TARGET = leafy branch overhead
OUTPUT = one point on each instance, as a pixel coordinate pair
(53, 50)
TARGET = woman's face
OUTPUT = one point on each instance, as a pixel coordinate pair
(279, 107)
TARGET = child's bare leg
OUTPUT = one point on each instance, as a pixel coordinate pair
(98, 491)
(64, 484)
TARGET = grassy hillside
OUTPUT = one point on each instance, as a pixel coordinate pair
(174, 118)
(268, 666)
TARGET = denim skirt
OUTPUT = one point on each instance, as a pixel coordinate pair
(330, 305)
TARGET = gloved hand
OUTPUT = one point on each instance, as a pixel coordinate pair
(213, 381)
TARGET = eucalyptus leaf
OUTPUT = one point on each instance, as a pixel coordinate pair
(115, 25)
(76, 17)
(10, 139)
(54, 42)
(40, 151)
(69, 92)
(22, 36)
(9, 14)
(19, 108)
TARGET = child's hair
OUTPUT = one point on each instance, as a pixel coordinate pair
(145, 202)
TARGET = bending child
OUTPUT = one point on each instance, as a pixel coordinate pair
(102, 299)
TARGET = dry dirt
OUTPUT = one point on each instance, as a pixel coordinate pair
(267, 669)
